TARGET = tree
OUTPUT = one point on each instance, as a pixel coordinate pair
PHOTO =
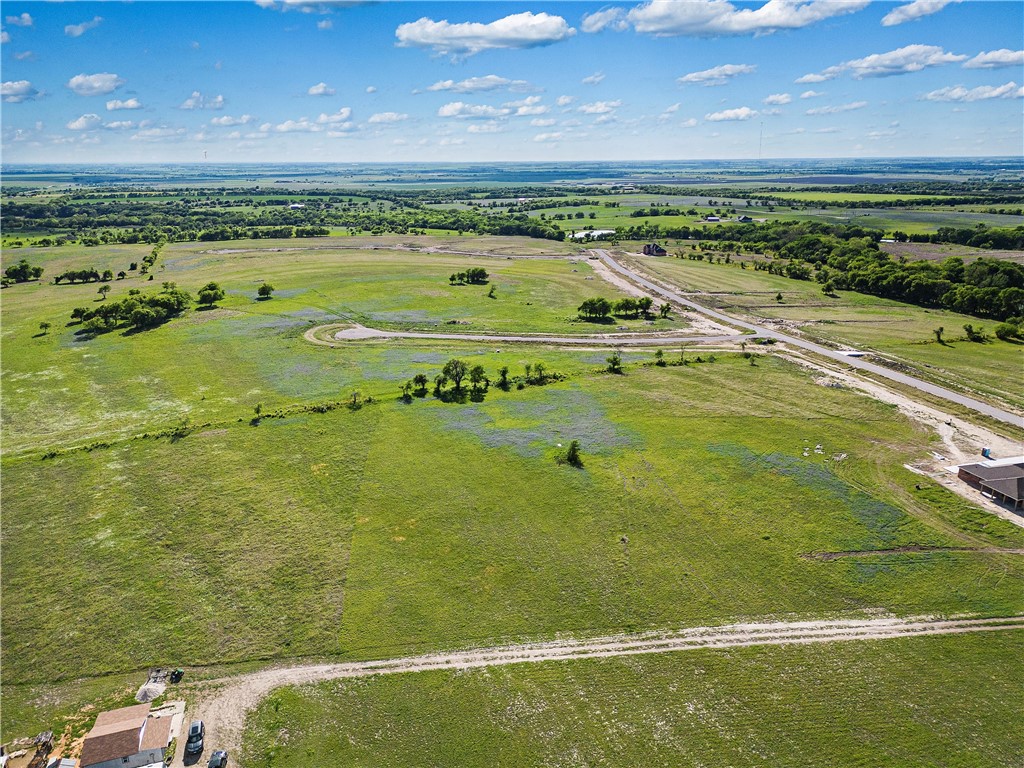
(455, 370)
(778, 297)
(491, 293)
(572, 456)
(614, 363)
(503, 377)
(938, 333)
(476, 376)
(107, 275)
(664, 309)
(44, 326)
(659, 358)
(103, 291)
(420, 380)
(265, 290)
(540, 373)
(595, 308)
(644, 304)
(828, 288)
(210, 294)
(975, 334)
(407, 391)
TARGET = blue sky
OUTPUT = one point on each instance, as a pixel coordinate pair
(479, 81)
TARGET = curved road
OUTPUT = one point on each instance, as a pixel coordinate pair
(611, 339)
(924, 386)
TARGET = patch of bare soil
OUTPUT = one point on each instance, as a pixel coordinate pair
(224, 704)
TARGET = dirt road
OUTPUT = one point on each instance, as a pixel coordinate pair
(356, 332)
(224, 704)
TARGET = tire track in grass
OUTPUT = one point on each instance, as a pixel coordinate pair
(224, 704)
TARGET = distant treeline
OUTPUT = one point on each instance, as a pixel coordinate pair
(139, 220)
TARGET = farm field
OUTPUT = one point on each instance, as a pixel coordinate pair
(190, 533)
(901, 331)
(889, 702)
(689, 509)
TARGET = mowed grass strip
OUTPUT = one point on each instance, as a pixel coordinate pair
(910, 702)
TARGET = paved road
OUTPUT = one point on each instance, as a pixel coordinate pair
(227, 702)
(610, 339)
(923, 386)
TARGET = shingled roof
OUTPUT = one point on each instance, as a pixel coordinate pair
(117, 733)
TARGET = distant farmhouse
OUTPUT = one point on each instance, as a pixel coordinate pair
(1002, 479)
(127, 738)
(653, 249)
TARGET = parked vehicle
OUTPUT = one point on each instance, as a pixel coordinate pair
(196, 733)
(218, 759)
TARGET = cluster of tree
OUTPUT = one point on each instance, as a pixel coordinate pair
(599, 308)
(1001, 238)
(472, 276)
(22, 272)
(91, 275)
(986, 287)
(457, 371)
(136, 310)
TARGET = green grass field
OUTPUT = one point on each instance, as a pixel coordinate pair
(900, 331)
(908, 702)
(400, 528)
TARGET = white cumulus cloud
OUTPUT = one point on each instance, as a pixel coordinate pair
(478, 84)
(740, 113)
(387, 117)
(325, 24)
(461, 109)
(488, 127)
(198, 101)
(553, 136)
(909, 58)
(95, 85)
(542, 122)
(719, 75)
(371, 89)
(228, 120)
(599, 107)
(564, 101)
(778, 98)
(520, 30)
(77, 30)
(4, 36)
(131, 103)
(24, 20)
(914, 11)
(593, 79)
(1004, 57)
(84, 123)
(688, 123)
(338, 118)
(834, 110)
(321, 89)
(609, 17)
(811, 94)
(708, 18)
(17, 91)
(982, 93)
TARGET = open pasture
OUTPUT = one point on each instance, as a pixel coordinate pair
(400, 528)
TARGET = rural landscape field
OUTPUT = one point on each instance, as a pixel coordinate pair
(485, 457)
